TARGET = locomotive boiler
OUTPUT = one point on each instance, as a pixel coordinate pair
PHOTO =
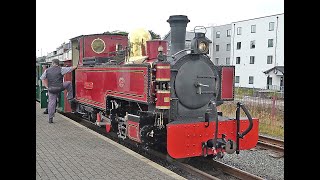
(156, 98)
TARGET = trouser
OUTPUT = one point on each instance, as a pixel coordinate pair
(53, 98)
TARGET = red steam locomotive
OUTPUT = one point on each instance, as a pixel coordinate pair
(132, 86)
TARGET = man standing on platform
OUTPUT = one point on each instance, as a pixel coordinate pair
(54, 84)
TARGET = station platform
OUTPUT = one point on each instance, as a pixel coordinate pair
(68, 150)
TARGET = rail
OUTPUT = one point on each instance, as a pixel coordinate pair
(271, 143)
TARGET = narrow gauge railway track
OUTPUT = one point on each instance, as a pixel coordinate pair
(213, 170)
(271, 143)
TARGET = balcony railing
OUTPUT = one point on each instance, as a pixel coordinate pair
(275, 87)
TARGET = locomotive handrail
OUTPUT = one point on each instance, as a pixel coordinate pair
(247, 114)
(202, 27)
(241, 135)
(180, 52)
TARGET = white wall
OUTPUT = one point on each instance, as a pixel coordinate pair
(222, 41)
(280, 41)
(275, 78)
(261, 50)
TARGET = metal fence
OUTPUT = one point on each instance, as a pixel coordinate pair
(266, 105)
(275, 88)
(273, 103)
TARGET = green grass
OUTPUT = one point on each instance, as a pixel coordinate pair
(240, 92)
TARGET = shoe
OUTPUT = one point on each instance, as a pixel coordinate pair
(73, 105)
(50, 120)
(45, 112)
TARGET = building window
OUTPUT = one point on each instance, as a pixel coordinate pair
(270, 42)
(228, 47)
(228, 32)
(250, 79)
(227, 61)
(253, 28)
(251, 59)
(252, 44)
(238, 45)
(218, 34)
(238, 60)
(188, 44)
(269, 60)
(237, 80)
(217, 61)
(217, 47)
(239, 30)
(271, 26)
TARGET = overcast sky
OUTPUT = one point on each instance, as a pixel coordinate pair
(59, 20)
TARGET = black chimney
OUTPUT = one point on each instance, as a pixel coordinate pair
(178, 24)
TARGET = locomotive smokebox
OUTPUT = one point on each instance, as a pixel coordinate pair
(178, 24)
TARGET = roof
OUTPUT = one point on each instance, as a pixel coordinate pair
(279, 68)
(257, 18)
(111, 34)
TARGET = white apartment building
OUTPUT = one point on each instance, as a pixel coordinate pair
(257, 52)
(63, 53)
